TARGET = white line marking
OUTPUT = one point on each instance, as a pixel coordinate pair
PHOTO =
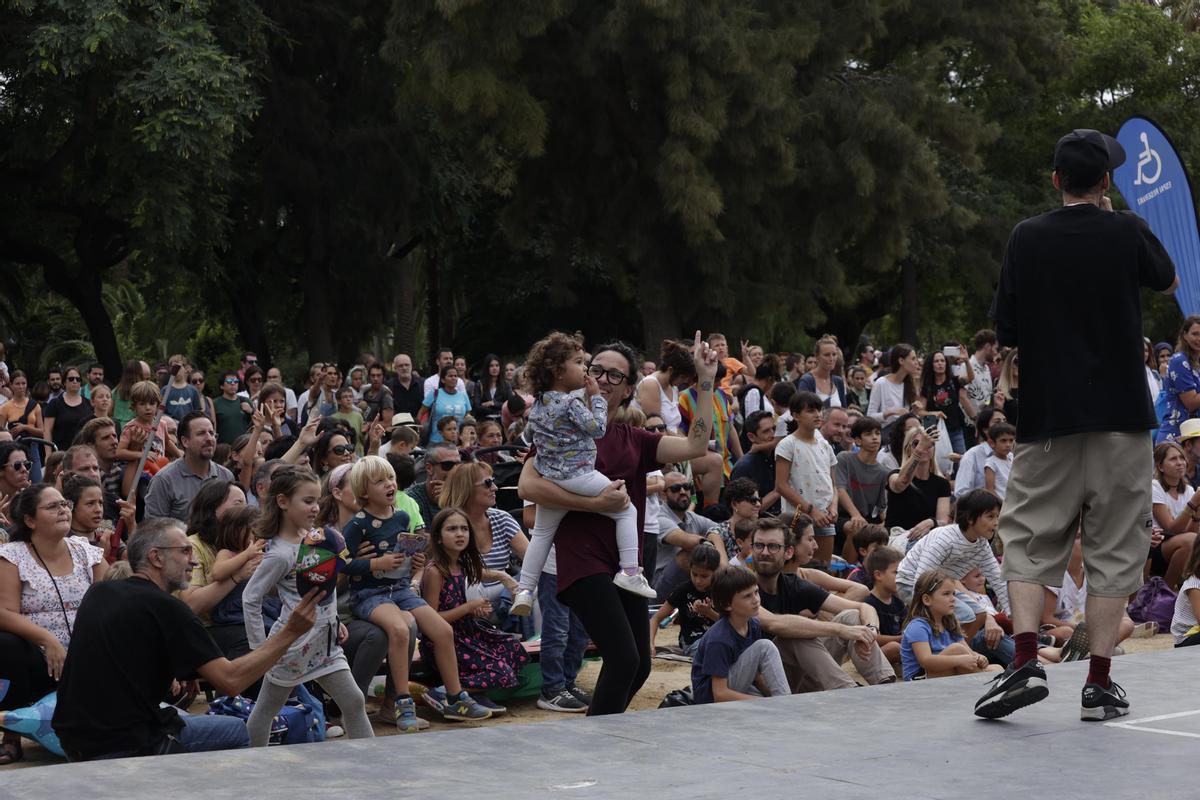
(1139, 724)
(1154, 730)
(1176, 715)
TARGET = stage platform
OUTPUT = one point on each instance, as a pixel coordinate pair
(898, 741)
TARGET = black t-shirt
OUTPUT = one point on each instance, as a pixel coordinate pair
(918, 502)
(793, 595)
(692, 626)
(407, 401)
(944, 398)
(1069, 298)
(68, 419)
(891, 615)
(130, 640)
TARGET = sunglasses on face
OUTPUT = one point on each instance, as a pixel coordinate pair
(197, 381)
(255, 379)
(74, 379)
(21, 466)
(342, 449)
(657, 428)
(683, 487)
(231, 381)
(490, 483)
(446, 466)
(753, 500)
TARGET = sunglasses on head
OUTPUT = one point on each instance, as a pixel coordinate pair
(683, 487)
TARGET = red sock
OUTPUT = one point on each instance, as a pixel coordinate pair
(1027, 647)
(1098, 671)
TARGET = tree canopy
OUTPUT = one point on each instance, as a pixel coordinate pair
(310, 179)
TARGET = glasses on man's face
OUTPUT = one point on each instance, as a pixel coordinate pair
(186, 548)
(489, 483)
(657, 428)
(446, 466)
(20, 466)
(342, 449)
(767, 547)
(682, 487)
(74, 379)
(58, 505)
(613, 376)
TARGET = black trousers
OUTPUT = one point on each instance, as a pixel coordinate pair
(618, 623)
(24, 667)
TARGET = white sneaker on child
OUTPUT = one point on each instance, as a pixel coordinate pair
(522, 604)
(635, 583)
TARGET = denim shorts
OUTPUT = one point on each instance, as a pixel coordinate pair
(364, 601)
(830, 531)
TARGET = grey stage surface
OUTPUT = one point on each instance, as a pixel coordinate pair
(908, 740)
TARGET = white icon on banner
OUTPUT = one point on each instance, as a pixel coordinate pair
(1147, 155)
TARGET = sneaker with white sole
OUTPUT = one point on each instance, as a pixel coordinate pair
(1077, 647)
(561, 700)
(464, 708)
(1014, 688)
(579, 694)
(1100, 704)
(522, 604)
(435, 698)
(490, 704)
(635, 583)
(405, 717)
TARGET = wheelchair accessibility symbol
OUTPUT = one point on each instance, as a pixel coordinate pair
(1147, 155)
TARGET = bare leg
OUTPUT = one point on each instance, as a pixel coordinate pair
(1104, 616)
(395, 624)
(441, 636)
(1176, 551)
(825, 549)
(1027, 600)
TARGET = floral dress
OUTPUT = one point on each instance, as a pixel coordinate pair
(487, 658)
(1181, 377)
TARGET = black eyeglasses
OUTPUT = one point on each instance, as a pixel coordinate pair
(488, 482)
(20, 466)
(613, 376)
(683, 487)
(761, 547)
(342, 449)
(657, 428)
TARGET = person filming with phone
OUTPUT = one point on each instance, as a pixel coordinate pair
(918, 497)
(944, 380)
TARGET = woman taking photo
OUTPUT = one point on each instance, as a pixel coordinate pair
(918, 496)
(1182, 381)
(491, 391)
(1176, 511)
(893, 394)
(66, 413)
(945, 394)
(822, 380)
(44, 573)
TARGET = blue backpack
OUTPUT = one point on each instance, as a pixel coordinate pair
(302, 718)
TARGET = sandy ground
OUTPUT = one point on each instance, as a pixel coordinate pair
(664, 677)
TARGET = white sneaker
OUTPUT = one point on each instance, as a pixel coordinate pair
(635, 583)
(522, 604)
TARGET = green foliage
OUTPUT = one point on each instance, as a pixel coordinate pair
(214, 348)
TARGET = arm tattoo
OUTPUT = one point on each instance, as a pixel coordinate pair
(699, 427)
(706, 386)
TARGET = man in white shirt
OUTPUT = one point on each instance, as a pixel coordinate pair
(970, 468)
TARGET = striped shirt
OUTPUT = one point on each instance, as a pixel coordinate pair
(946, 548)
(504, 528)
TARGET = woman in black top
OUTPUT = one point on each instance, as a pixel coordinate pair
(946, 395)
(66, 413)
(918, 496)
(491, 391)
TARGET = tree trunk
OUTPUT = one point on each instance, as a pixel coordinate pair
(660, 316)
(433, 305)
(317, 322)
(909, 301)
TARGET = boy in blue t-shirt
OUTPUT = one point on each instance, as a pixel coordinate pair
(734, 661)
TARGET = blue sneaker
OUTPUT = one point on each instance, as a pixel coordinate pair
(489, 704)
(435, 699)
(406, 718)
(464, 709)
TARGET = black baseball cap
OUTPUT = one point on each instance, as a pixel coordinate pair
(1085, 155)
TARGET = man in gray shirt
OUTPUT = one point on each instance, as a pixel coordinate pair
(174, 486)
(679, 530)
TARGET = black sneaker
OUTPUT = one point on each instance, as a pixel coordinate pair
(561, 700)
(1077, 648)
(1100, 704)
(1012, 689)
(580, 694)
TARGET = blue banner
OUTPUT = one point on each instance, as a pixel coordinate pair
(1155, 185)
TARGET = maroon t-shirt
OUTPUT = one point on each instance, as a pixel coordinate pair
(586, 544)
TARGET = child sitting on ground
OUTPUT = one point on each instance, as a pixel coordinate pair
(696, 612)
(999, 464)
(866, 540)
(565, 431)
(1184, 625)
(881, 564)
(932, 644)
(487, 658)
(734, 661)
